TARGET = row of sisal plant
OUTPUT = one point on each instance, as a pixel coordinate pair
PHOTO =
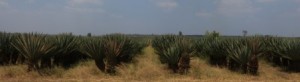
(111, 50)
(8, 54)
(175, 51)
(237, 54)
(284, 53)
(40, 51)
(243, 54)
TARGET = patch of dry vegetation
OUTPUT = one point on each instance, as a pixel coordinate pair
(146, 67)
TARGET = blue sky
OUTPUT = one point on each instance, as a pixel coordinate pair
(229, 17)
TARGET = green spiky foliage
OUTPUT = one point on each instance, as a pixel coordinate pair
(8, 54)
(187, 50)
(245, 52)
(34, 47)
(257, 49)
(199, 47)
(210, 36)
(111, 51)
(67, 47)
(175, 51)
(118, 48)
(214, 48)
(93, 48)
(139, 46)
(273, 45)
(240, 54)
(216, 52)
(290, 50)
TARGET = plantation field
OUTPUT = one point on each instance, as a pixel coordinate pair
(146, 68)
(166, 58)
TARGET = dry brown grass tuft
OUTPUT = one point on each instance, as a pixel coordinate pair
(12, 71)
(146, 68)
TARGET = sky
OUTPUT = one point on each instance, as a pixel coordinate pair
(229, 17)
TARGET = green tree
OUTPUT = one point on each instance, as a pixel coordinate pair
(180, 33)
(89, 34)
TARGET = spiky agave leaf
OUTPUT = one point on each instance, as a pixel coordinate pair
(239, 53)
(175, 51)
(215, 50)
(187, 49)
(257, 49)
(118, 48)
(162, 43)
(123, 47)
(246, 53)
(290, 50)
(199, 46)
(280, 47)
(172, 56)
(272, 45)
(93, 48)
(130, 49)
(112, 50)
(33, 47)
(186, 45)
(288, 54)
(274, 48)
(8, 54)
(66, 44)
(138, 46)
(293, 55)
(67, 48)
(256, 45)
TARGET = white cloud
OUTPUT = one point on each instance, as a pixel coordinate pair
(84, 10)
(235, 7)
(166, 4)
(82, 2)
(83, 6)
(266, 1)
(298, 10)
(203, 14)
(3, 3)
(30, 1)
(297, 1)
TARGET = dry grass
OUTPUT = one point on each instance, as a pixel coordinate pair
(146, 68)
